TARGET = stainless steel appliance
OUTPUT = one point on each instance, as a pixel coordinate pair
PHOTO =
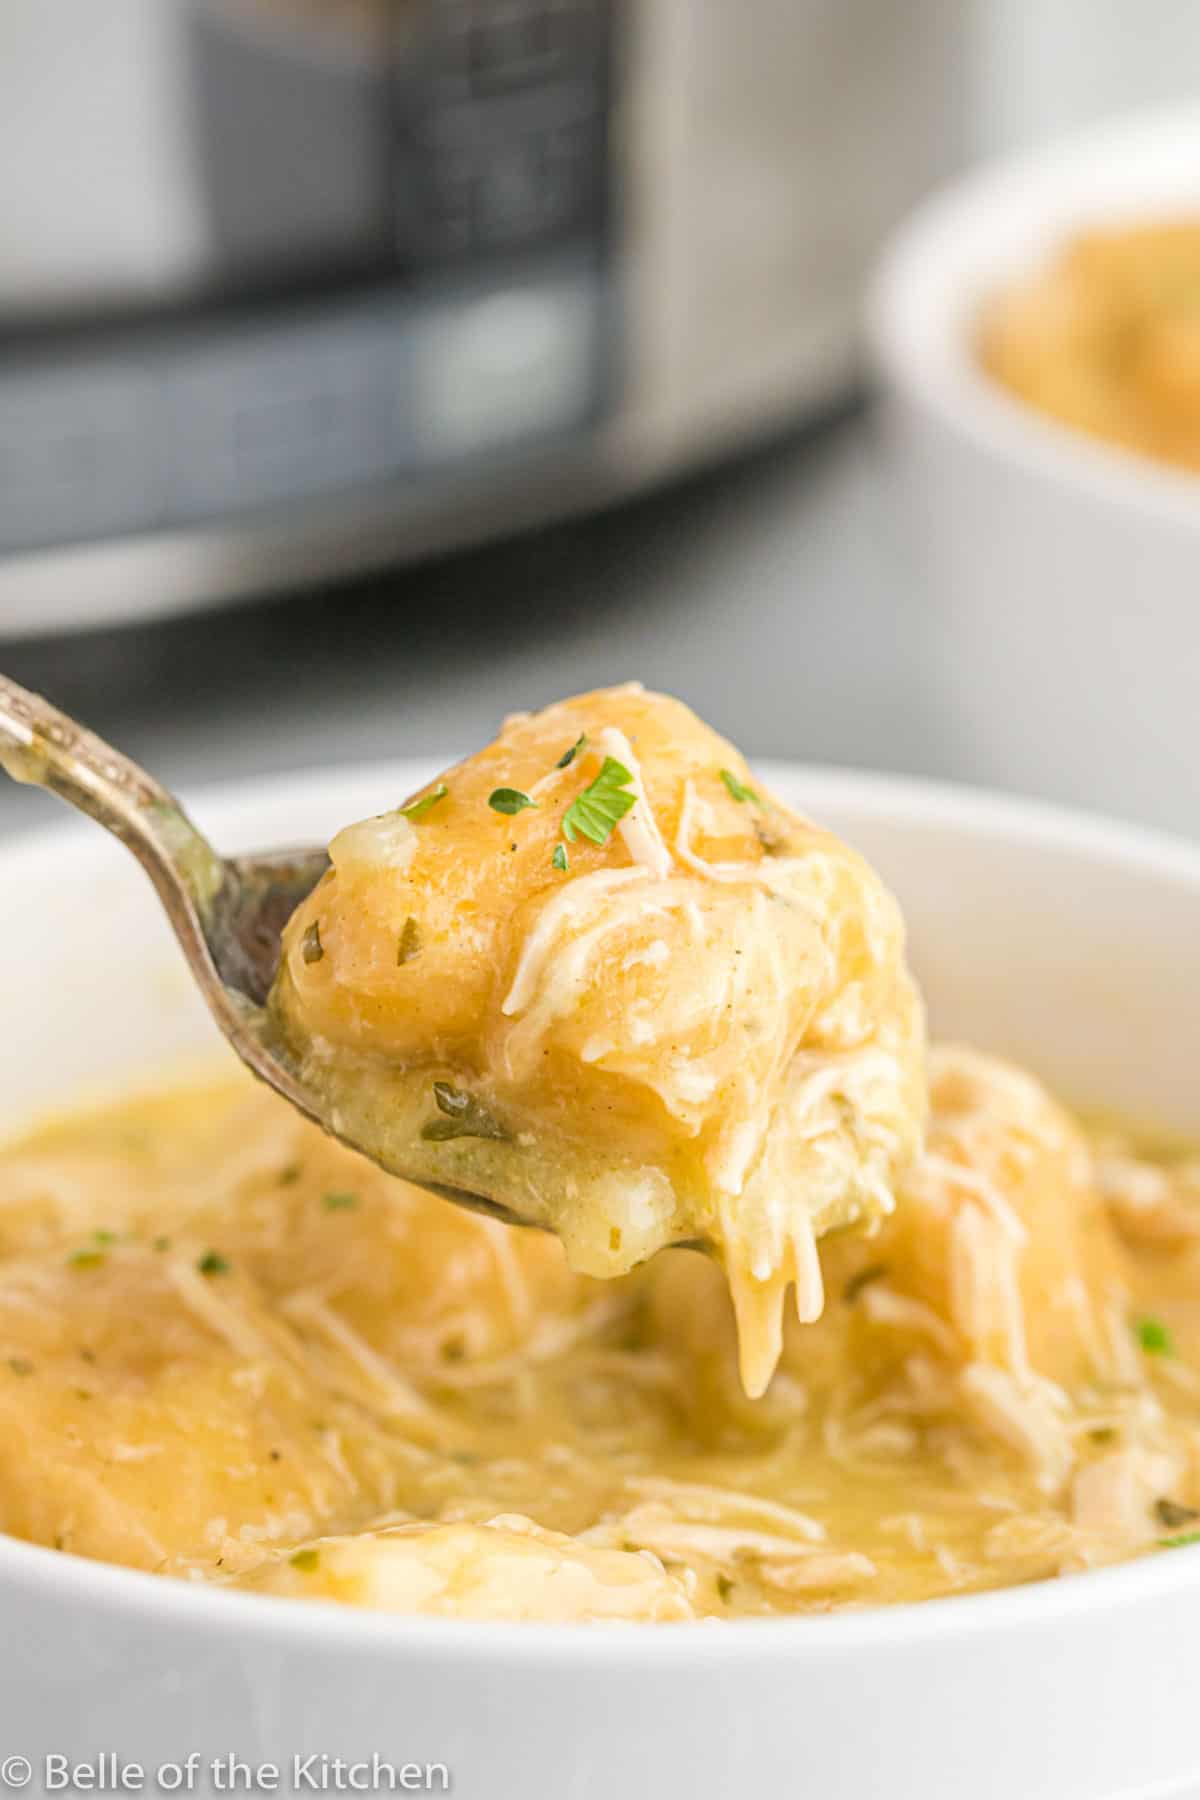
(293, 286)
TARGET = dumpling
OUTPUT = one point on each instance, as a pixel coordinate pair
(597, 975)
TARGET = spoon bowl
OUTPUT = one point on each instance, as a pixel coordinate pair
(227, 912)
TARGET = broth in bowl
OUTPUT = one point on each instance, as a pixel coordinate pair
(232, 1350)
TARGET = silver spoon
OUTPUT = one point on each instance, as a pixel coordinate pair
(227, 912)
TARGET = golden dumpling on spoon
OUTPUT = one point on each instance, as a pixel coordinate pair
(598, 976)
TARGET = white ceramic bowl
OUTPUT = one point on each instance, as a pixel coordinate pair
(1069, 944)
(1064, 570)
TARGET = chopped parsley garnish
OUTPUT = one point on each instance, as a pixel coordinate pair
(409, 942)
(862, 1278)
(1171, 1514)
(87, 1259)
(20, 1365)
(559, 859)
(161, 1243)
(509, 801)
(568, 756)
(1177, 1543)
(290, 1175)
(738, 789)
(213, 1263)
(308, 1560)
(339, 1202)
(1154, 1337)
(724, 1587)
(601, 806)
(310, 944)
(462, 1116)
(104, 1237)
(416, 809)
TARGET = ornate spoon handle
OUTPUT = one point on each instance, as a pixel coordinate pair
(40, 745)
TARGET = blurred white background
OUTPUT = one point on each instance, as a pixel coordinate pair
(1044, 67)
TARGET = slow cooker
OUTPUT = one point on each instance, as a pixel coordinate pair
(290, 287)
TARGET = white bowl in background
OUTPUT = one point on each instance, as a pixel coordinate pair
(1066, 571)
(1068, 944)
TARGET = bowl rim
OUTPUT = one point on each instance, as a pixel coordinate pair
(130, 1594)
(942, 263)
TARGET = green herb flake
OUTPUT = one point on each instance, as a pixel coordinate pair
(290, 1176)
(87, 1259)
(160, 1244)
(568, 756)
(104, 1237)
(772, 842)
(1154, 1337)
(408, 944)
(509, 801)
(307, 1560)
(1177, 1543)
(462, 1116)
(311, 948)
(1171, 1514)
(725, 1587)
(559, 859)
(601, 806)
(20, 1365)
(745, 795)
(862, 1278)
(213, 1263)
(339, 1202)
(416, 809)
